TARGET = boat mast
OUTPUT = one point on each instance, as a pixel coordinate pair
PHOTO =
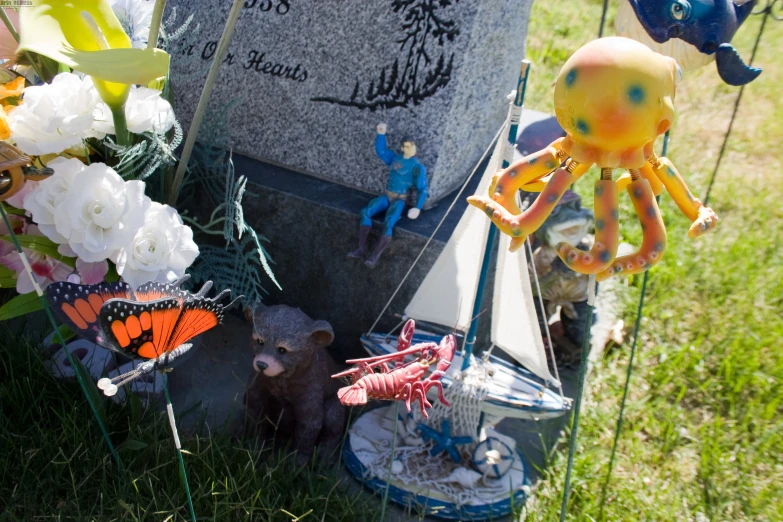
(507, 153)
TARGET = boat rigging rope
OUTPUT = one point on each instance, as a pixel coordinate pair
(544, 316)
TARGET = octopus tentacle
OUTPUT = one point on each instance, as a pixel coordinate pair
(703, 218)
(507, 182)
(537, 185)
(654, 239)
(525, 223)
(607, 233)
(648, 174)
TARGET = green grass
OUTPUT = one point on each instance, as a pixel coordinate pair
(704, 430)
(55, 465)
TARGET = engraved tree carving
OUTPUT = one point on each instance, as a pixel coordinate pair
(424, 32)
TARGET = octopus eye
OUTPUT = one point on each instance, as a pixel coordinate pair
(681, 10)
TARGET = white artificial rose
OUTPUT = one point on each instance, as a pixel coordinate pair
(49, 193)
(145, 111)
(100, 213)
(135, 16)
(55, 116)
(160, 251)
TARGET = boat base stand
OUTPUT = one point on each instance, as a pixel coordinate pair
(435, 485)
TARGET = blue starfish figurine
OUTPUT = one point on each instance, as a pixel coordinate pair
(444, 441)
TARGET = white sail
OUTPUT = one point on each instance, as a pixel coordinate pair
(447, 293)
(514, 324)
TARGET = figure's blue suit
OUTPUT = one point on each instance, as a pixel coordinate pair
(404, 175)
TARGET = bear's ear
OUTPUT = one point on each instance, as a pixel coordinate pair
(254, 313)
(322, 333)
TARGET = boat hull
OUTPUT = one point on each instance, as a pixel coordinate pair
(514, 392)
(358, 455)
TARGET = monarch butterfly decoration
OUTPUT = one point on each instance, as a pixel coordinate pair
(153, 322)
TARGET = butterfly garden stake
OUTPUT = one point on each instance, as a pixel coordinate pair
(153, 322)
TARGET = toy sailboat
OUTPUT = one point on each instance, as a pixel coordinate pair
(451, 295)
(453, 464)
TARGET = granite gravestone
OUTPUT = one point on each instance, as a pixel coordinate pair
(305, 82)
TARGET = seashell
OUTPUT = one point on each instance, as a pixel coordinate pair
(463, 476)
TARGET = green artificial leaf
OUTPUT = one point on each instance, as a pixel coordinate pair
(112, 275)
(65, 332)
(7, 277)
(8, 208)
(42, 245)
(20, 305)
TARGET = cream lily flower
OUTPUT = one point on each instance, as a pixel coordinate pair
(88, 37)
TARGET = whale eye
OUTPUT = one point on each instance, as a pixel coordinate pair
(681, 10)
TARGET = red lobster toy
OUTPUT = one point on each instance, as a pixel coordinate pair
(404, 380)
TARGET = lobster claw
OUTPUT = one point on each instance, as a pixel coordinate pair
(406, 335)
(446, 351)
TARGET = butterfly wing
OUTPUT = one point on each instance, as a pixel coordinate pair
(79, 306)
(153, 290)
(159, 318)
(140, 328)
(198, 316)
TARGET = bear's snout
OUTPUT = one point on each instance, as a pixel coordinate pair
(268, 365)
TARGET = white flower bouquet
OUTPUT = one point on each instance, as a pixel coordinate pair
(99, 132)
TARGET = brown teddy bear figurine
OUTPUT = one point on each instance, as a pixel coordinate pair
(292, 388)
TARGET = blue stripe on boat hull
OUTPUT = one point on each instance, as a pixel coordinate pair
(432, 507)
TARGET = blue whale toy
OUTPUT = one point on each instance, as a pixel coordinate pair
(693, 32)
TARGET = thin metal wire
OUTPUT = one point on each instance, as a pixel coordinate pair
(175, 435)
(603, 19)
(578, 401)
(621, 417)
(767, 11)
(432, 236)
(629, 371)
(77, 372)
(543, 314)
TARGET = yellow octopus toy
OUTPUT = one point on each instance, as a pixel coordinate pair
(614, 97)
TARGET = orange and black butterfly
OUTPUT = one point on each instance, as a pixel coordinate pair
(148, 322)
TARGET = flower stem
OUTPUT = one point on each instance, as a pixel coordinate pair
(121, 127)
(9, 25)
(157, 17)
(195, 124)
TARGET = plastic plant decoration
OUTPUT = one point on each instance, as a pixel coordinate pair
(613, 97)
(87, 37)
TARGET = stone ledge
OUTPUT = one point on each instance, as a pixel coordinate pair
(351, 201)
